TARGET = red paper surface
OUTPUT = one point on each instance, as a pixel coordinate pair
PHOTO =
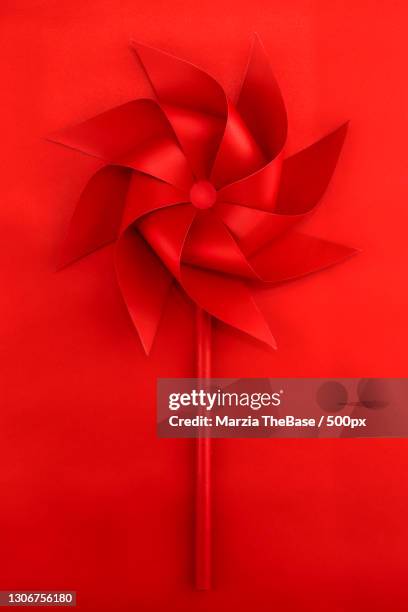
(90, 500)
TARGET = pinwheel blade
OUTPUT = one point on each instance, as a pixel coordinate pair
(228, 299)
(147, 194)
(296, 255)
(166, 231)
(192, 100)
(261, 105)
(306, 175)
(255, 228)
(210, 245)
(144, 283)
(258, 190)
(239, 154)
(180, 83)
(136, 134)
(97, 217)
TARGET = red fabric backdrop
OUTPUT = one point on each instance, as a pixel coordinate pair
(90, 500)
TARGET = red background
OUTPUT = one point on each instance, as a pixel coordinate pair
(90, 499)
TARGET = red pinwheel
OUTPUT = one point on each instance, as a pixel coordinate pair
(196, 190)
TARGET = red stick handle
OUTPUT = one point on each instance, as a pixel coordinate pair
(203, 465)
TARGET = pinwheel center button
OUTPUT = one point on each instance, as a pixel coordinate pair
(203, 195)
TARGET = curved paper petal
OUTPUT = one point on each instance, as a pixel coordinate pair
(306, 175)
(228, 299)
(180, 83)
(194, 103)
(166, 231)
(96, 219)
(254, 228)
(238, 154)
(296, 255)
(136, 134)
(211, 246)
(144, 283)
(162, 159)
(261, 104)
(199, 135)
(258, 190)
(147, 194)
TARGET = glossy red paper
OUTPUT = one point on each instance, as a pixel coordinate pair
(197, 190)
